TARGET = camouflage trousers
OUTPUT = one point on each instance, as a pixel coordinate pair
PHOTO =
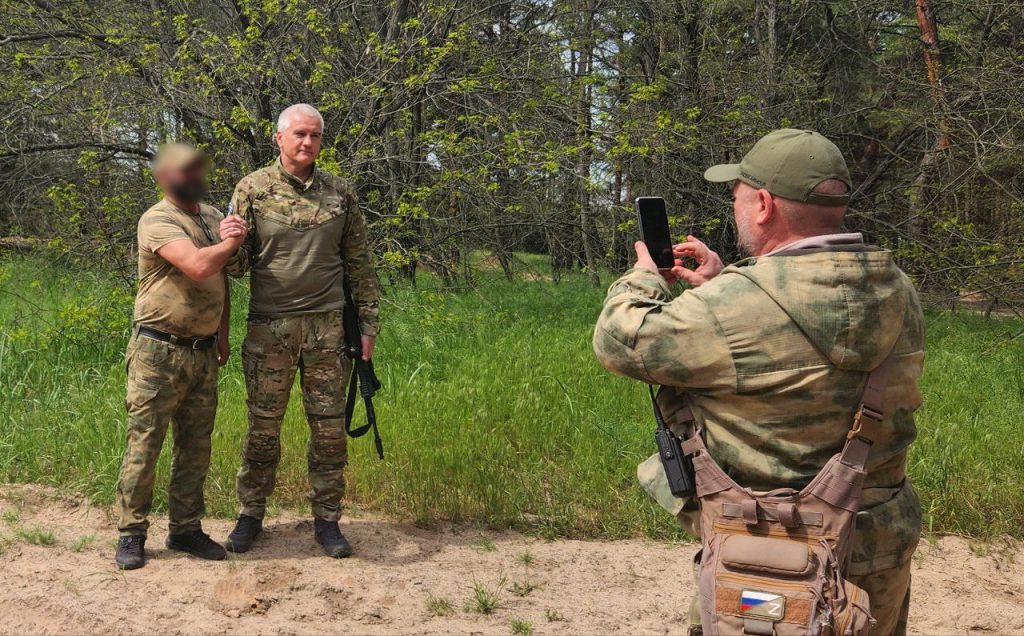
(312, 344)
(167, 384)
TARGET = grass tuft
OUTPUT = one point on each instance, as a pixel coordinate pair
(484, 600)
(522, 588)
(525, 558)
(484, 543)
(521, 627)
(35, 536)
(81, 544)
(439, 606)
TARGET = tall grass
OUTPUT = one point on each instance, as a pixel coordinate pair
(494, 410)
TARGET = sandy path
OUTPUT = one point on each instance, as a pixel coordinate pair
(285, 587)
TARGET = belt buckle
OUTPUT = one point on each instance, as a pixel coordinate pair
(196, 342)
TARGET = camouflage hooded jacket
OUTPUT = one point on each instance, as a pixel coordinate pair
(774, 353)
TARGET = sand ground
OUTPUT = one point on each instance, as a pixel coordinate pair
(285, 585)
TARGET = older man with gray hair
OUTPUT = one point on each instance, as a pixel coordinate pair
(307, 238)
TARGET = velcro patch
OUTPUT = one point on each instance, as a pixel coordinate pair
(759, 604)
(797, 610)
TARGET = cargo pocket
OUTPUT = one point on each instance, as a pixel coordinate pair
(140, 404)
(148, 359)
(887, 534)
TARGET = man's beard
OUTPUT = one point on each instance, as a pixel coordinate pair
(744, 241)
(189, 191)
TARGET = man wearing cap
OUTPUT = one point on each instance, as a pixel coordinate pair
(179, 339)
(308, 239)
(774, 351)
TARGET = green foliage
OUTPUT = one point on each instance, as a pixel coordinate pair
(522, 125)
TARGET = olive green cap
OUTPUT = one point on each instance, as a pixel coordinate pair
(178, 156)
(789, 163)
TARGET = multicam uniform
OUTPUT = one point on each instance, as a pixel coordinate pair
(168, 382)
(774, 353)
(305, 239)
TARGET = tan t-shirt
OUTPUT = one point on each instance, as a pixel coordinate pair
(167, 299)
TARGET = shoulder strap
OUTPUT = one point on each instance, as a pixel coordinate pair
(870, 415)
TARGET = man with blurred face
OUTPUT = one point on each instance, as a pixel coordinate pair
(772, 354)
(307, 238)
(179, 340)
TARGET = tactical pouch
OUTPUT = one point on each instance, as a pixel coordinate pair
(774, 563)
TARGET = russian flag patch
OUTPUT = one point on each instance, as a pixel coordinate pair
(763, 605)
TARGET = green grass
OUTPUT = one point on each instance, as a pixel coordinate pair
(81, 544)
(439, 606)
(484, 599)
(520, 627)
(494, 411)
(35, 536)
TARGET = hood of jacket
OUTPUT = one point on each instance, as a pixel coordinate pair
(850, 301)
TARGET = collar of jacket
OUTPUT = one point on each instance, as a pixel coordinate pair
(299, 184)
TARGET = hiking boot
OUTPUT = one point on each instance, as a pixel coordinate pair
(131, 552)
(197, 543)
(246, 530)
(329, 536)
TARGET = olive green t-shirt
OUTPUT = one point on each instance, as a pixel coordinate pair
(167, 299)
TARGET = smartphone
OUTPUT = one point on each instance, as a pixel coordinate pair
(654, 232)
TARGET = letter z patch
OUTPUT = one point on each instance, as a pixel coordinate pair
(763, 605)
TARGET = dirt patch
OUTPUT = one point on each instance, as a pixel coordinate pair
(410, 580)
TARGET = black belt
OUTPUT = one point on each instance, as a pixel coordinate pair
(178, 341)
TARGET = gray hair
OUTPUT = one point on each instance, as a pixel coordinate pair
(284, 120)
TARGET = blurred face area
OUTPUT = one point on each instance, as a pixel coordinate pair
(300, 142)
(186, 184)
(746, 205)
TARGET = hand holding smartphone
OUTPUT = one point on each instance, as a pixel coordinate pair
(654, 232)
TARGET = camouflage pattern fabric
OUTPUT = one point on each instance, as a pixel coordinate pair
(889, 593)
(175, 385)
(774, 353)
(304, 239)
(273, 350)
(167, 299)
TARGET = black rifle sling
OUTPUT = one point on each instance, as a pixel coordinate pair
(350, 407)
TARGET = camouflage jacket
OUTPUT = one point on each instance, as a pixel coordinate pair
(305, 238)
(774, 353)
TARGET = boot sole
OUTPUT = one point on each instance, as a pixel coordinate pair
(198, 555)
(129, 566)
(239, 548)
(343, 554)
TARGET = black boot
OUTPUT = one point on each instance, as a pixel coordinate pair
(197, 543)
(246, 530)
(131, 552)
(329, 536)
